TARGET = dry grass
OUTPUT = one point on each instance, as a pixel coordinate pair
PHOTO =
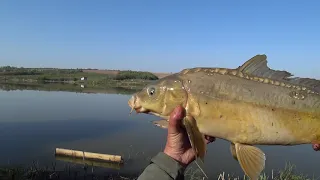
(288, 173)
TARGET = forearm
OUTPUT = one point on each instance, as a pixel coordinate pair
(163, 167)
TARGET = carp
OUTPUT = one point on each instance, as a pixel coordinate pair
(247, 106)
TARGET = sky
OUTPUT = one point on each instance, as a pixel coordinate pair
(160, 36)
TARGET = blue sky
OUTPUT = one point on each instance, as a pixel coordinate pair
(161, 36)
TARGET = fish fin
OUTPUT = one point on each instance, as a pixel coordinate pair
(233, 151)
(163, 123)
(251, 160)
(197, 141)
(257, 66)
(195, 108)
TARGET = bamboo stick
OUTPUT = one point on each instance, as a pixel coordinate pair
(88, 155)
(110, 165)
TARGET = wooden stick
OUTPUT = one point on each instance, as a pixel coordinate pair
(110, 165)
(88, 155)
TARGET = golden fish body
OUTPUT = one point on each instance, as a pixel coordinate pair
(251, 112)
(250, 105)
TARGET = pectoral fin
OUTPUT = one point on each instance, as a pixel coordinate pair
(233, 151)
(197, 141)
(251, 159)
(163, 123)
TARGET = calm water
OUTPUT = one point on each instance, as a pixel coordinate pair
(34, 123)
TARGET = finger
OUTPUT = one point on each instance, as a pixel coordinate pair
(175, 120)
(209, 139)
(316, 147)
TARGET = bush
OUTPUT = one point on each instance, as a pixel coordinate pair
(123, 75)
(42, 79)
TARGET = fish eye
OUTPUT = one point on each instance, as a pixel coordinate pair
(151, 91)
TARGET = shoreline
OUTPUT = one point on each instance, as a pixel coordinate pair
(66, 87)
(84, 78)
(35, 172)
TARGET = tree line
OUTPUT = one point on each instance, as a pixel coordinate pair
(123, 75)
(10, 70)
(52, 74)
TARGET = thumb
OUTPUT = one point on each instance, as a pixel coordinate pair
(316, 147)
(175, 120)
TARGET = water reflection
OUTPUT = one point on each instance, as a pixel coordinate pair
(34, 123)
(66, 87)
(86, 162)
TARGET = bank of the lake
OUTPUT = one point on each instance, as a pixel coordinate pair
(78, 88)
(81, 77)
(87, 170)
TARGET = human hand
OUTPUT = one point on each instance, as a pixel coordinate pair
(178, 145)
(316, 147)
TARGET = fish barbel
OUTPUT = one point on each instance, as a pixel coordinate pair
(250, 105)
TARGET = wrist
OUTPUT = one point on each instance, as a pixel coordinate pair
(175, 157)
(169, 165)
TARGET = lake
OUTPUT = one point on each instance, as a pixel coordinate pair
(34, 123)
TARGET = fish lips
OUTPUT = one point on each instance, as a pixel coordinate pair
(133, 105)
(141, 110)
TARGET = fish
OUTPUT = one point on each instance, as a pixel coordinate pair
(247, 106)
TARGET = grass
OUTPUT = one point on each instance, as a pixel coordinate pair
(36, 173)
(288, 173)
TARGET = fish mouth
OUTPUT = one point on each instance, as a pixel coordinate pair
(140, 110)
(135, 105)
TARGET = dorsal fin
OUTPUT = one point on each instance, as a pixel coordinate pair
(257, 66)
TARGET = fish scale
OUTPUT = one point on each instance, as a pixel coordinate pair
(233, 88)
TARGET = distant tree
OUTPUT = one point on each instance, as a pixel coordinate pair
(123, 75)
